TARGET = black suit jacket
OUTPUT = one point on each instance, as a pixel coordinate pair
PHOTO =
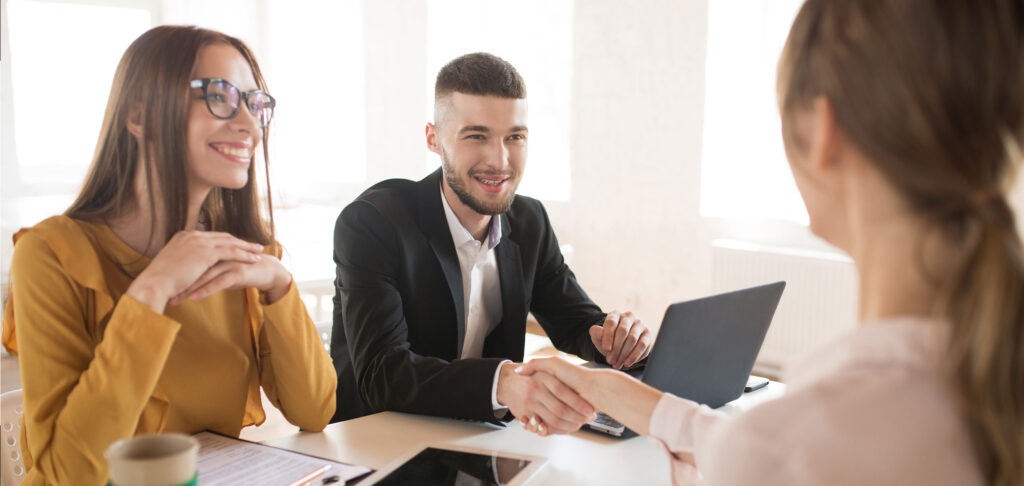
(399, 320)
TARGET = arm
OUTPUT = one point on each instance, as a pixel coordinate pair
(560, 305)
(573, 322)
(295, 370)
(83, 388)
(369, 312)
(681, 425)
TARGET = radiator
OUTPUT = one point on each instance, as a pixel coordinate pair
(820, 300)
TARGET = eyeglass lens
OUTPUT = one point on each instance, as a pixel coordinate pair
(224, 99)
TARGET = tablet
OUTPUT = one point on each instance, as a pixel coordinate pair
(450, 465)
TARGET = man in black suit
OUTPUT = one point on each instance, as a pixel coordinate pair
(435, 278)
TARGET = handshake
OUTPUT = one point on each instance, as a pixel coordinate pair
(553, 396)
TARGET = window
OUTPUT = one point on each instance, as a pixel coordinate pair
(536, 37)
(744, 173)
(60, 81)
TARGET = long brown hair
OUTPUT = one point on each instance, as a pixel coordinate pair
(154, 75)
(933, 93)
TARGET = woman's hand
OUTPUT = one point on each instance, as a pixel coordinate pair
(615, 393)
(573, 376)
(187, 257)
(267, 274)
(570, 375)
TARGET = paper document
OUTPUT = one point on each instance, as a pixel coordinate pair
(226, 461)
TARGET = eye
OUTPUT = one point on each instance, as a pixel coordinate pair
(476, 136)
(517, 137)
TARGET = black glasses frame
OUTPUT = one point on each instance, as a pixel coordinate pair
(204, 84)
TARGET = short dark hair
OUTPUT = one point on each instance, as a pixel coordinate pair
(480, 74)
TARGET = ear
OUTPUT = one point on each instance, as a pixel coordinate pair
(134, 121)
(433, 138)
(827, 143)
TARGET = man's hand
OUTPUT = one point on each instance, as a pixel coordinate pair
(542, 397)
(623, 340)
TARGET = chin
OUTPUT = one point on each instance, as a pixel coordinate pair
(231, 182)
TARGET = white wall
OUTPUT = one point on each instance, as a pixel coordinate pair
(637, 110)
(636, 143)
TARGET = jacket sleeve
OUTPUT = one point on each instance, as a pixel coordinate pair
(560, 305)
(80, 395)
(295, 370)
(368, 309)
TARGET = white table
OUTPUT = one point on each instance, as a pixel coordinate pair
(581, 458)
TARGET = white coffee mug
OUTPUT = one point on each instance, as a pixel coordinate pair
(153, 460)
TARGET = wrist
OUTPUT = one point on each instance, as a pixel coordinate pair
(149, 295)
(506, 377)
(595, 382)
(278, 288)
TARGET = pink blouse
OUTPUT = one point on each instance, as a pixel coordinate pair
(873, 407)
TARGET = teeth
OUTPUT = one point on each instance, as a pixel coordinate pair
(490, 182)
(234, 152)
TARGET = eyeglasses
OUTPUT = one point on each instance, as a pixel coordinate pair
(223, 99)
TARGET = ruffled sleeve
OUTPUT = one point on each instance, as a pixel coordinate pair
(294, 368)
(90, 361)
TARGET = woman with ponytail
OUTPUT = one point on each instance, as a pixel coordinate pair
(157, 302)
(903, 122)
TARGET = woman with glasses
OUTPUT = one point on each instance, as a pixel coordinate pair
(903, 122)
(157, 302)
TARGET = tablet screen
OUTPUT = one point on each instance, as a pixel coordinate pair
(444, 467)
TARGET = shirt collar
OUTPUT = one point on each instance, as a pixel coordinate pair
(460, 235)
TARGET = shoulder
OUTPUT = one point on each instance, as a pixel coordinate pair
(857, 426)
(390, 198)
(58, 236)
(528, 214)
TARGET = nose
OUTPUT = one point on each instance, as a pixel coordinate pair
(246, 120)
(499, 155)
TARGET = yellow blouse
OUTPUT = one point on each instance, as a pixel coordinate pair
(97, 365)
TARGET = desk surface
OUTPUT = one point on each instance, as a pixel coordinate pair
(580, 458)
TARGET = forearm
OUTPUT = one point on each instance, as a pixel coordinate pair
(73, 414)
(403, 381)
(297, 372)
(621, 396)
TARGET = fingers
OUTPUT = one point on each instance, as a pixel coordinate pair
(642, 348)
(534, 425)
(216, 246)
(210, 274)
(611, 321)
(231, 277)
(625, 339)
(569, 374)
(548, 365)
(597, 336)
(557, 406)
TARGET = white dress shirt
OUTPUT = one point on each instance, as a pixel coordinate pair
(481, 287)
(873, 407)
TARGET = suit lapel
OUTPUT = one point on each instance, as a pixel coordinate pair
(513, 297)
(435, 226)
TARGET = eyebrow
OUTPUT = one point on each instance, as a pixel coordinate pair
(484, 129)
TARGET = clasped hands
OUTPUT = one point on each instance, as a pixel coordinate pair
(548, 398)
(196, 264)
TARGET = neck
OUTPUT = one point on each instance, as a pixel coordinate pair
(144, 226)
(892, 272)
(477, 224)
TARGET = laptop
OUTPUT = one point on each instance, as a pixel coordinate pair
(706, 348)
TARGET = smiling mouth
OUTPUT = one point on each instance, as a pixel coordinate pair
(491, 181)
(238, 152)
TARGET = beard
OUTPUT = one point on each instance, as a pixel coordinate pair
(459, 188)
